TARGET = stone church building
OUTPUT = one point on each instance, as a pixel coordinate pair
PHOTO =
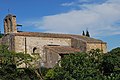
(50, 46)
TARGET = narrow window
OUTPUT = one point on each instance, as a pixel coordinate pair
(34, 49)
(11, 26)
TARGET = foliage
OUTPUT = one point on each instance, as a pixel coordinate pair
(93, 65)
(115, 51)
(83, 33)
(44, 70)
(1, 35)
(87, 34)
(111, 62)
(10, 62)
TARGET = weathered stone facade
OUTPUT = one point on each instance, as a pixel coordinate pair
(38, 42)
(10, 24)
(34, 42)
(101, 46)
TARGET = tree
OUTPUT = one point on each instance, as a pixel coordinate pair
(10, 62)
(77, 66)
(93, 65)
(87, 34)
(112, 62)
(110, 65)
(115, 51)
(83, 33)
(1, 34)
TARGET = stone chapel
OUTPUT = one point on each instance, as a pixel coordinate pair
(50, 46)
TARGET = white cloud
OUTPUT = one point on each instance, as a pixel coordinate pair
(68, 4)
(100, 19)
(75, 3)
(85, 0)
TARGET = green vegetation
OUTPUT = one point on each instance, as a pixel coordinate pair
(93, 65)
(87, 34)
(83, 33)
(10, 66)
(87, 66)
(1, 35)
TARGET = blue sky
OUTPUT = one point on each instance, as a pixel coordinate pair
(100, 17)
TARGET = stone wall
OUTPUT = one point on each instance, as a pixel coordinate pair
(101, 46)
(79, 44)
(85, 47)
(33, 45)
(10, 24)
(17, 43)
(52, 58)
(9, 41)
(38, 43)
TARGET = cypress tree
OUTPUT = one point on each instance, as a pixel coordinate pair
(83, 33)
(1, 34)
(87, 34)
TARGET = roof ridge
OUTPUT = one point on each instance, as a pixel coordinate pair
(59, 35)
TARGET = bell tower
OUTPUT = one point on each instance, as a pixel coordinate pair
(10, 24)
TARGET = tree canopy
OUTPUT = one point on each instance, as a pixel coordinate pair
(83, 33)
(87, 66)
(93, 65)
(87, 34)
(10, 62)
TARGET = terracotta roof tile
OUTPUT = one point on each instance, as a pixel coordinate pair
(85, 38)
(55, 35)
(38, 34)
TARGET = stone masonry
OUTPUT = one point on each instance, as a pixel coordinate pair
(50, 46)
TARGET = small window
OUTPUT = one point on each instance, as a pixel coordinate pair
(11, 25)
(53, 45)
(34, 50)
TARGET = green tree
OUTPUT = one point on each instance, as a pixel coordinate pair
(77, 66)
(10, 62)
(1, 34)
(93, 65)
(110, 65)
(115, 51)
(83, 33)
(87, 34)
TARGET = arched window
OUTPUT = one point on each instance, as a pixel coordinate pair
(11, 25)
(34, 50)
(6, 25)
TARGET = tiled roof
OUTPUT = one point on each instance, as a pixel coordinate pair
(55, 35)
(86, 39)
(39, 34)
(62, 49)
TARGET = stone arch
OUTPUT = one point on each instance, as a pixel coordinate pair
(10, 24)
(5, 26)
(34, 49)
